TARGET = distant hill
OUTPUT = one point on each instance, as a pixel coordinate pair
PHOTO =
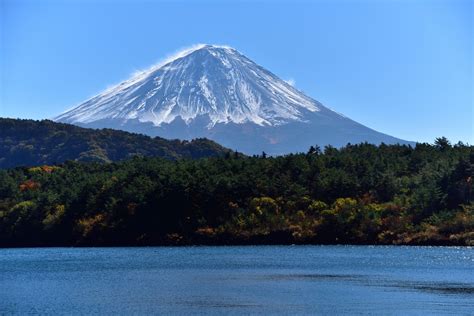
(31, 143)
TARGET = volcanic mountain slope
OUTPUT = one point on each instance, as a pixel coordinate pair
(218, 93)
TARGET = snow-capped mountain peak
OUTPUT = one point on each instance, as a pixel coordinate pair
(216, 92)
(213, 81)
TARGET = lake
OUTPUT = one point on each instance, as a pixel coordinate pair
(238, 280)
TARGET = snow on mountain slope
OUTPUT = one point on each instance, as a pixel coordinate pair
(216, 92)
(216, 81)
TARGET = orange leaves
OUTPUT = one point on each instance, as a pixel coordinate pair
(206, 231)
(131, 208)
(48, 169)
(29, 185)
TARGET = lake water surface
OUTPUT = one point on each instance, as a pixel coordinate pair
(238, 280)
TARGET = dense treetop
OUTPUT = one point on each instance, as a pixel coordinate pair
(32, 143)
(357, 194)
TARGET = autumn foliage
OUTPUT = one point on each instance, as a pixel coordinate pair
(359, 194)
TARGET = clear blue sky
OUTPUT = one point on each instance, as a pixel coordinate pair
(404, 68)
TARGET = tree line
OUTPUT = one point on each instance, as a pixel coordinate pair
(358, 194)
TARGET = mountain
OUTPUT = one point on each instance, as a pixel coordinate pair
(217, 92)
(34, 143)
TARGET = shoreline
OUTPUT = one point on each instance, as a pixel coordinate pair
(170, 245)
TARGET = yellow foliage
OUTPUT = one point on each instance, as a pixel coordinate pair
(23, 207)
(264, 205)
(342, 204)
(54, 216)
(45, 168)
(317, 206)
(300, 215)
(87, 225)
(346, 208)
(34, 169)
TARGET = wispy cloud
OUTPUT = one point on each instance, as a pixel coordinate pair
(291, 82)
(177, 54)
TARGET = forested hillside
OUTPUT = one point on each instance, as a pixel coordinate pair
(360, 194)
(32, 143)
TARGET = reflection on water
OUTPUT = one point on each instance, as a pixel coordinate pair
(238, 280)
(314, 276)
(435, 287)
(442, 288)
